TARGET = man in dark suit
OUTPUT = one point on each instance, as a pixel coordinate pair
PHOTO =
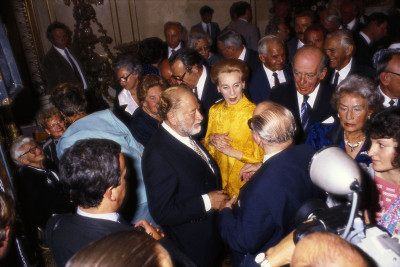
(302, 20)
(207, 26)
(189, 69)
(366, 39)
(388, 71)
(273, 72)
(94, 172)
(182, 180)
(307, 98)
(339, 46)
(243, 25)
(349, 12)
(59, 64)
(230, 45)
(173, 32)
(267, 203)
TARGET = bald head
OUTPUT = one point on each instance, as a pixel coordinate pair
(166, 73)
(328, 250)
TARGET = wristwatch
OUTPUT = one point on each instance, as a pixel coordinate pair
(261, 259)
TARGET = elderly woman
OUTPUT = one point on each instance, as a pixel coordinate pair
(37, 184)
(51, 121)
(145, 120)
(355, 99)
(128, 71)
(228, 138)
(383, 129)
(201, 42)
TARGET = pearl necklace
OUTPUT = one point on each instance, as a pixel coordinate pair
(353, 146)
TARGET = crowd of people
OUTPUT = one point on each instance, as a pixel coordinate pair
(208, 143)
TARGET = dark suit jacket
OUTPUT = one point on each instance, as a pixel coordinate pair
(214, 29)
(67, 234)
(267, 204)
(252, 60)
(364, 51)
(292, 48)
(142, 126)
(356, 68)
(57, 70)
(286, 95)
(183, 45)
(259, 87)
(175, 178)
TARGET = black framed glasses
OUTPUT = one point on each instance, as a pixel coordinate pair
(179, 78)
(124, 79)
(31, 150)
(388, 71)
(249, 124)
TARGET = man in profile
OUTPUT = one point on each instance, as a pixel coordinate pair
(182, 180)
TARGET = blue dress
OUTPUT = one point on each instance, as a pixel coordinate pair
(325, 134)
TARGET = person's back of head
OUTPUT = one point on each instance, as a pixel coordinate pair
(89, 168)
(230, 38)
(127, 248)
(151, 50)
(324, 250)
(189, 58)
(241, 7)
(69, 98)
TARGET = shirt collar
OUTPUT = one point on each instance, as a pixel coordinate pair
(175, 49)
(386, 99)
(113, 216)
(241, 57)
(61, 51)
(351, 24)
(300, 44)
(183, 139)
(365, 37)
(270, 77)
(242, 19)
(311, 99)
(267, 157)
(125, 98)
(344, 71)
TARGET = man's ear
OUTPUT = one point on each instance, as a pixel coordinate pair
(257, 138)
(323, 73)
(262, 58)
(384, 78)
(349, 50)
(109, 193)
(171, 117)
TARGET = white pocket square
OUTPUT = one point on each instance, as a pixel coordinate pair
(329, 120)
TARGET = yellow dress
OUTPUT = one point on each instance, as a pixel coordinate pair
(224, 118)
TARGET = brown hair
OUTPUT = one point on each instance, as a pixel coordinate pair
(228, 66)
(47, 114)
(146, 83)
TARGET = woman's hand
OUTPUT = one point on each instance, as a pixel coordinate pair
(248, 170)
(150, 229)
(219, 141)
(231, 152)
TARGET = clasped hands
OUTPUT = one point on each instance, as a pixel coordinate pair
(154, 232)
(220, 200)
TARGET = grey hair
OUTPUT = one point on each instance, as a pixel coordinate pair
(130, 63)
(346, 38)
(362, 86)
(275, 125)
(16, 148)
(333, 15)
(195, 36)
(230, 38)
(263, 43)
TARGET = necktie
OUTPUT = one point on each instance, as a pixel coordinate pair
(208, 29)
(74, 67)
(305, 112)
(335, 81)
(391, 102)
(197, 149)
(276, 80)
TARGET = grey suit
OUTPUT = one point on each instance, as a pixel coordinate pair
(249, 32)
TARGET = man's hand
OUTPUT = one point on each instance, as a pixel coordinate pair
(230, 202)
(248, 170)
(281, 254)
(150, 229)
(218, 199)
(219, 140)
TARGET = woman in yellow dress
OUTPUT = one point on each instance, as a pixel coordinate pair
(228, 138)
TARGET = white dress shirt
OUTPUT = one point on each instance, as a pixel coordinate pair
(241, 57)
(113, 216)
(311, 99)
(175, 49)
(201, 82)
(387, 99)
(343, 72)
(186, 141)
(125, 98)
(270, 77)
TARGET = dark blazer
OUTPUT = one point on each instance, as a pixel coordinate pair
(57, 70)
(267, 204)
(67, 234)
(364, 51)
(356, 68)
(259, 87)
(175, 178)
(142, 126)
(41, 195)
(252, 60)
(292, 48)
(286, 95)
(183, 45)
(214, 29)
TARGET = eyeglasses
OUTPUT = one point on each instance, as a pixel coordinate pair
(31, 150)
(309, 76)
(179, 78)
(124, 79)
(397, 74)
(249, 124)
(58, 123)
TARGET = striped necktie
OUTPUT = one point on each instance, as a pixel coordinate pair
(305, 112)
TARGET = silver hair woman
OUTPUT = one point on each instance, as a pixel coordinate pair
(201, 42)
(355, 99)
